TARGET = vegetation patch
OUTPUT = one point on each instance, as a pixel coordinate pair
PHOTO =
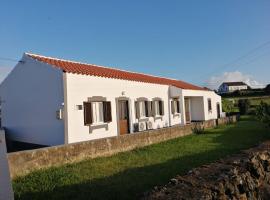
(128, 174)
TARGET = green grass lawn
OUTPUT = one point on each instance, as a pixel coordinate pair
(254, 101)
(125, 175)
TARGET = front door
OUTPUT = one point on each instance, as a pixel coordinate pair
(218, 110)
(123, 116)
(187, 111)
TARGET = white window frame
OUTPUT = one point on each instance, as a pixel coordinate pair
(97, 112)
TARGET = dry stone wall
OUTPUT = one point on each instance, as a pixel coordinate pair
(244, 176)
(23, 162)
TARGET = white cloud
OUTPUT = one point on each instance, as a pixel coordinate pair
(4, 71)
(215, 81)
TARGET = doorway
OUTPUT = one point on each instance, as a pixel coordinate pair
(123, 117)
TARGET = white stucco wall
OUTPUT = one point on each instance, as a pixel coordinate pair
(240, 87)
(214, 100)
(31, 95)
(80, 87)
(197, 109)
(175, 92)
(205, 95)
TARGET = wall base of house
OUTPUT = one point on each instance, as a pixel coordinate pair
(13, 146)
(23, 162)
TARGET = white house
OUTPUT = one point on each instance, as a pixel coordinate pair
(49, 101)
(232, 86)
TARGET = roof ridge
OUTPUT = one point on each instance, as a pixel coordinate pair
(102, 66)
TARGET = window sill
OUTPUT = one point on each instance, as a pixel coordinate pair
(176, 115)
(141, 119)
(157, 117)
(98, 124)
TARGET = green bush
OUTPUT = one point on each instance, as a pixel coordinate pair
(263, 113)
(227, 106)
(243, 105)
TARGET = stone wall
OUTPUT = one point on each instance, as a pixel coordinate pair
(243, 176)
(23, 162)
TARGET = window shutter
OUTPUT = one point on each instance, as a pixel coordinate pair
(178, 106)
(153, 108)
(146, 109)
(161, 108)
(107, 111)
(172, 106)
(137, 110)
(209, 105)
(87, 113)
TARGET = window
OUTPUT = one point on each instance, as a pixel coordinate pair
(157, 109)
(175, 106)
(97, 112)
(209, 105)
(142, 109)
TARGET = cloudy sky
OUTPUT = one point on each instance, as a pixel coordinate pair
(215, 81)
(202, 42)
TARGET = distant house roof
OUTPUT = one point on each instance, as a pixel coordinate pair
(101, 71)
(235, 83)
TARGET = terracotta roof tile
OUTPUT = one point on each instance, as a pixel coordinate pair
(94, 70)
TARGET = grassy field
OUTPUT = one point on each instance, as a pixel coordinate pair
(254, 101)
(128, 174)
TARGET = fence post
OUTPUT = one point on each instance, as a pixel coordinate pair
(6, 192)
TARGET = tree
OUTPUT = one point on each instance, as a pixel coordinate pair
(267, 89)
(263, 113)
(243, 105)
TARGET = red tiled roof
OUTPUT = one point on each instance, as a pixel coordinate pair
(94, 70)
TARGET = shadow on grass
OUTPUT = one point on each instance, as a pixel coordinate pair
(129, 184)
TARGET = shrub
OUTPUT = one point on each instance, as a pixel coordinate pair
(227, 106)
(243, 105)
(198, 129)
(263, 113)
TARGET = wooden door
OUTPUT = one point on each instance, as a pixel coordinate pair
(218, 110)
(187, 111)
(123, 115)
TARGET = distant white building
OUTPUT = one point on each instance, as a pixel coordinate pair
(232, 86)
(49, 101)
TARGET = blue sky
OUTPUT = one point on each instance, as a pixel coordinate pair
(190, 40)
